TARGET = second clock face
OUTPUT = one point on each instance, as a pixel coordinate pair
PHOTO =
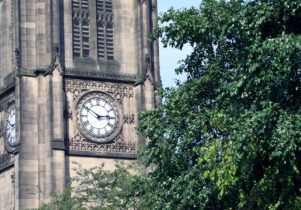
(98, 117)
(11, 126)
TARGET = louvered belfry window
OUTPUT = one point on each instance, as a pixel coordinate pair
(105, 25)
(80, 28)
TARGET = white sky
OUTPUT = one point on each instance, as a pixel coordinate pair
(169, 57)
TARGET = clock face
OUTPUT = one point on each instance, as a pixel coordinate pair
(11, 127)
(98, 117)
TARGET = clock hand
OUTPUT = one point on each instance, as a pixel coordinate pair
(9, 123)
(11, 126)
(94, 113)
(109, 118)
(99, 117)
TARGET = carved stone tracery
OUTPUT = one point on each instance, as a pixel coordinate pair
(105, 29)
(118, 91)
(78, 143)
(80, 28)
(129, 119)
(5, 159)
(6, 102)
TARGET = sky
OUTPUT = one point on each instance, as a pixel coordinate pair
(169, 57)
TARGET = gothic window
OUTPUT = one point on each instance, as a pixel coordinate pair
(105, 41)
(80, 27)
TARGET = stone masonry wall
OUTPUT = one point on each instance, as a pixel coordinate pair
(7, 190)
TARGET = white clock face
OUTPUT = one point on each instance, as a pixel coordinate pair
(11, 127)
(98, 117)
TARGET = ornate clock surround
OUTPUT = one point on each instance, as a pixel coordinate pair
(78, 144)
(10, 113)
(6, 103)
(116, 106)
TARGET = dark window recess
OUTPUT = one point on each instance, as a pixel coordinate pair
(80, 28)
(109, 6)
(105, 30)
(100, 5)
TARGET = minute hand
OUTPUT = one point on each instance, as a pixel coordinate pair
(95, 114)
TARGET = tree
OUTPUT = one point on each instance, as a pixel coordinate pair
(230, 136)
(100, 189)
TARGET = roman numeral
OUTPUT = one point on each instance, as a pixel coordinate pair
(110, 125)
(86, 123)
(91, 129)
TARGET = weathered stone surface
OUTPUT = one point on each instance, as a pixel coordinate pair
(41, 74)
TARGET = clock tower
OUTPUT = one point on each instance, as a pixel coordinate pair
(74, 74)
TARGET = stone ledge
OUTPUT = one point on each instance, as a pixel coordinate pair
(58, 144)
(7, 88)
(6, 161)
(102, 154)
(125, 78)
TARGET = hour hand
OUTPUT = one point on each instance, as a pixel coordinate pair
(109, 118)
(105, 117)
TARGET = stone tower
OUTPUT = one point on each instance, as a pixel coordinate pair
(73, 76)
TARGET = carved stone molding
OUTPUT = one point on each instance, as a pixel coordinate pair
(12, 176)
(81, 15)
(17, 58)
(105, 18)
(148, 76)
(78, 143)
(129, 119)
(154, 8)
(94, 74)
(118, 91)
(6, 159)
(68, 112)
(7, 101)
(114, 105)
(142, 1)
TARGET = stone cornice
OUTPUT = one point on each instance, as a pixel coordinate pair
(103, 154)
(6, 161)
(5, 89)
(143, 1)
(126, 78)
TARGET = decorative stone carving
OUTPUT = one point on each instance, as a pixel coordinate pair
(116, 91)
(6, 159)
(119, 91)
(68, 112)
(12, 176)
(129, 119)
(56, 62)
(17, 58)
(78, 143)
(94, 74)
(154, 8)
(142, 1)
(7, 101)
(104, 18)
(105, 31)
(114, 105)
(80, 28)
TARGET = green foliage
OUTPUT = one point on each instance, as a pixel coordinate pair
(229, 137)
(100, 189)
